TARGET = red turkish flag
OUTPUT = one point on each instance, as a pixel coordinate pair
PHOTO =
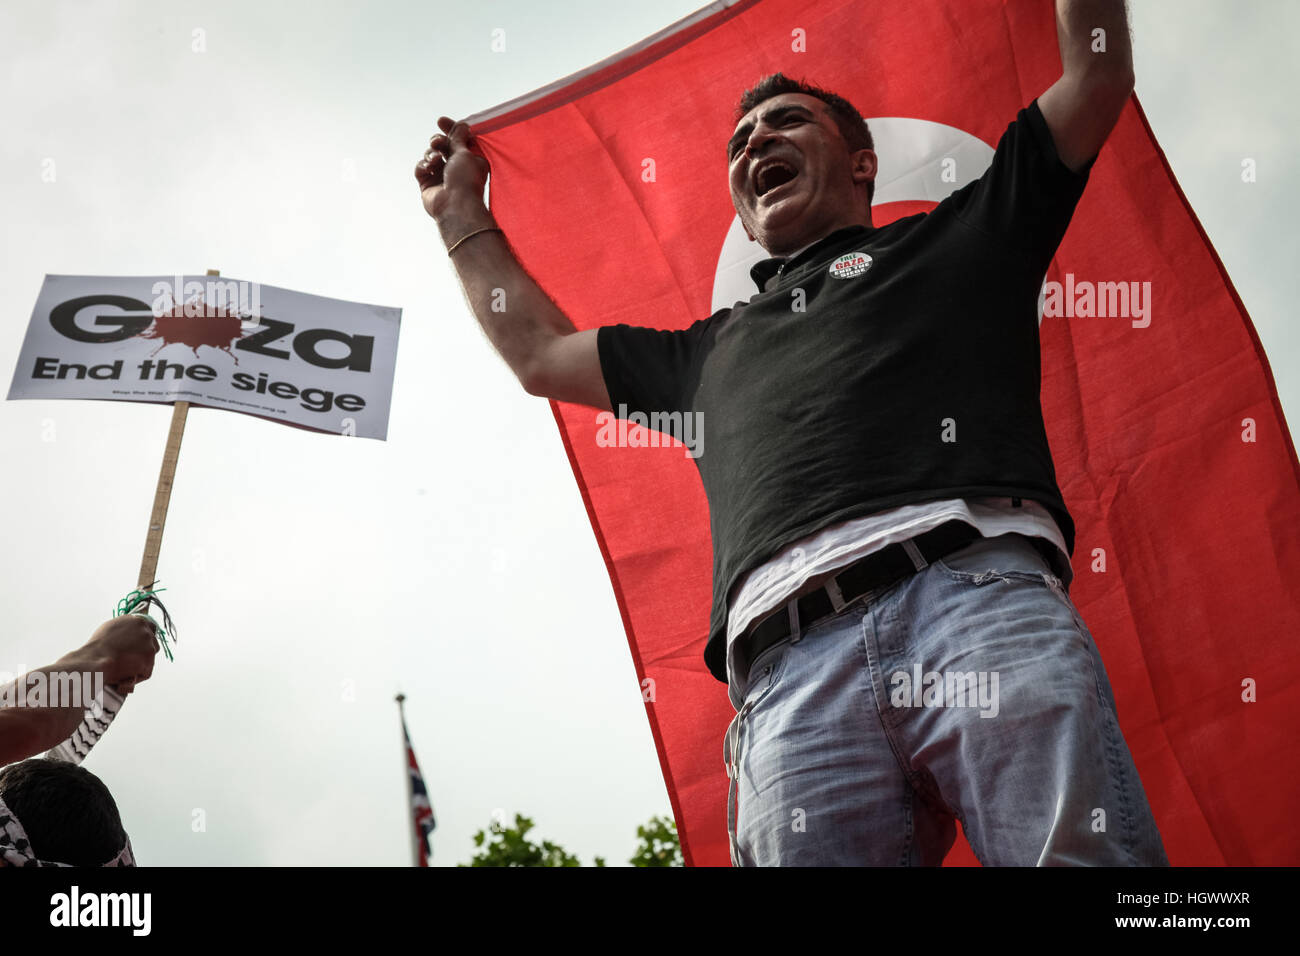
(612, 188)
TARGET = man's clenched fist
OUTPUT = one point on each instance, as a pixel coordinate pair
(123, 648)
(449, 174)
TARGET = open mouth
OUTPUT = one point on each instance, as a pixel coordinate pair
(772, 175)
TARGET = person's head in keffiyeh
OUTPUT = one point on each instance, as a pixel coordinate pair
(54, 813)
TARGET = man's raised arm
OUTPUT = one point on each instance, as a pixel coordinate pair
(1082, 107)
(122, 649)
(539, 343)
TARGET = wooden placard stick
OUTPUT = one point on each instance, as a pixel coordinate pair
(163, 494)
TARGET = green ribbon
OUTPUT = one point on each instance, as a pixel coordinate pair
(142, 598)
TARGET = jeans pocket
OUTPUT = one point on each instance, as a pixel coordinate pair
(1008, 556)
(1011, 560)
(764, 673)
(758, 756)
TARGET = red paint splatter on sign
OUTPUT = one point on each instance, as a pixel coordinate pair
(214, 327)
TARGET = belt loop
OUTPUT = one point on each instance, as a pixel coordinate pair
(914, 553)
(792, 612)
(835, 594)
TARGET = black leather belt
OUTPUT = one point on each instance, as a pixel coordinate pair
(874, 572)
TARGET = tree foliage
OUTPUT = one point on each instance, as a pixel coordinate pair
(659, 844)
(501, 845)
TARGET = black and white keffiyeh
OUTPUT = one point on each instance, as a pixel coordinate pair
(92, 727)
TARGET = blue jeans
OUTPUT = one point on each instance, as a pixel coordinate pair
(970, 690)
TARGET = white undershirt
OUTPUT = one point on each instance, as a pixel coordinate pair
(772, 584)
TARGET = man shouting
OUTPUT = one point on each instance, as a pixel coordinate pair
(891, 548)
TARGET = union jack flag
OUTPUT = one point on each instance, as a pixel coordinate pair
(421, 808)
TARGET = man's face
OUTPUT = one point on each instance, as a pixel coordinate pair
(790, 172)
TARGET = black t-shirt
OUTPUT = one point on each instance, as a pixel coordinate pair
(911, 374)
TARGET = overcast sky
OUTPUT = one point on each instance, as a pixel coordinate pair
(312, 577)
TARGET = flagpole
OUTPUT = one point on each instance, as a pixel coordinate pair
(408, 814)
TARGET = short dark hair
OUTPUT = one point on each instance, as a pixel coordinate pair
(851, 124)
(68, 813)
